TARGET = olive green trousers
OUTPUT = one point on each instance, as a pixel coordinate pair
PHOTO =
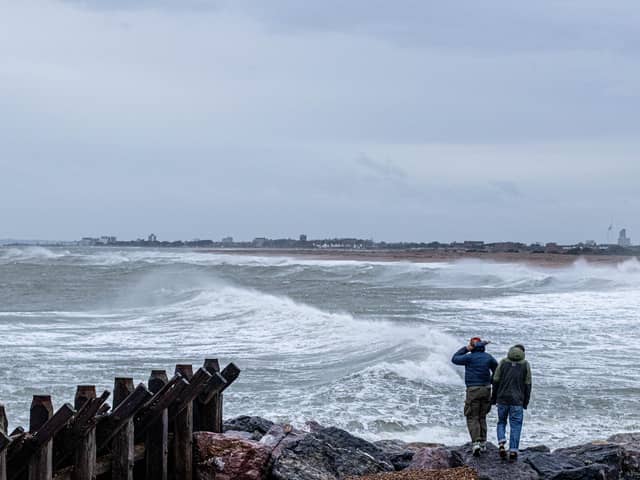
(477, 405)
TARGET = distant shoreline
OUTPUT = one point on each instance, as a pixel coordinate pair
(426, 256)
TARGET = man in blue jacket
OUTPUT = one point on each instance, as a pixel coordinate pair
(479, 367)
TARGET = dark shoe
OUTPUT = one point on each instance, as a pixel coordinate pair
(513, 456)
(502, 451)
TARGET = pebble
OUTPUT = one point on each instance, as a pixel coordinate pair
(462, 473)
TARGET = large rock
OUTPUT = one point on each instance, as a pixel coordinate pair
(490, 467)
(257, 426)
(328, 454)
(608, 455)
(397, 452)
(431, 458)
(562, 467)
(221, 457)
(632, 438)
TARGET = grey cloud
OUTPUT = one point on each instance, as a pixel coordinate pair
(383, 169)
(249, 118)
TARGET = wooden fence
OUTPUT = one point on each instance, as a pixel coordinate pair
(147, 434)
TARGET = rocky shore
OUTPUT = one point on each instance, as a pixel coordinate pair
(253, 448)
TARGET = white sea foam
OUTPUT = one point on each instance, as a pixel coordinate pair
(362, 345)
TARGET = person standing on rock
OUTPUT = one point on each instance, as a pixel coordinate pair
(511, 392)
(478, 371)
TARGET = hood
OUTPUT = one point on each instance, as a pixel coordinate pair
(515, 354)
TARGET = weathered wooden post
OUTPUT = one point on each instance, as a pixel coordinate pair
(156, 439)
(183, 434)
(122, 456)
(4, 443)
(41, 461)
(206, 411)
(210, 404)
(85, 445)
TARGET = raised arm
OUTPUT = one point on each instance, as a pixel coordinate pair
(461, 357)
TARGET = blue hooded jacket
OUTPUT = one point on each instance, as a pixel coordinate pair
(479, 366)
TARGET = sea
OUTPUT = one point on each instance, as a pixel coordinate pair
(362, 345)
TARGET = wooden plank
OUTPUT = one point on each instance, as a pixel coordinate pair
(122, 456)
(183, 422)
(153, 410)
(230, 373)
(197, 384)
(41, 462)
(56, 423)
(4, 442)
(120, 416)
(85, 438)
(156, 439)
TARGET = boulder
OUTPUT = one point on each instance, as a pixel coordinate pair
(278, 437)
(328, 454)
(632, 438)
(397, 452)
(221, 457)
(630, 443)
(257, 426)
(489, 466)
(431, 458)
(609, 455)
(562, 467)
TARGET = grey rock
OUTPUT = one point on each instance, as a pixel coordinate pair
(245, 423)
(489, 466)
(595, 471)
(328, 454)
(396, 450)
(608, 454)
(549, 465)
(632, 438)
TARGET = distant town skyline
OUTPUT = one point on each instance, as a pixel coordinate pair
(412, 121)
(622, 240)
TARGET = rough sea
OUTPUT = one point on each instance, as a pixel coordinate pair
(362, 345)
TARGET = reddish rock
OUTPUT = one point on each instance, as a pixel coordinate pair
(221, 457)
(431, 458)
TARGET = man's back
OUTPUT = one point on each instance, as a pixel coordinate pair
(512, 380)
(479, 366)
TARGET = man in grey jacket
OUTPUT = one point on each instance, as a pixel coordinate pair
(511, 392)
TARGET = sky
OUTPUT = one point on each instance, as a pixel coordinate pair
(412, 120)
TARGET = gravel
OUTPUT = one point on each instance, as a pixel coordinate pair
(463, 473)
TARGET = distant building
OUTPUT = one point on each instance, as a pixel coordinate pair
(303, 238)
(152, 238)
(623, 240)
(107, 240)
(227, 240)
(552, 247)
(259, 242)
(88, 241)
(473, 245)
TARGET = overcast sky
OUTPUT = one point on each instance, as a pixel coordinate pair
(393, 120)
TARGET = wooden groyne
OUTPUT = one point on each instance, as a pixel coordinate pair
(146, 434)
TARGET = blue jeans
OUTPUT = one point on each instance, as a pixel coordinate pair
(515, 415)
